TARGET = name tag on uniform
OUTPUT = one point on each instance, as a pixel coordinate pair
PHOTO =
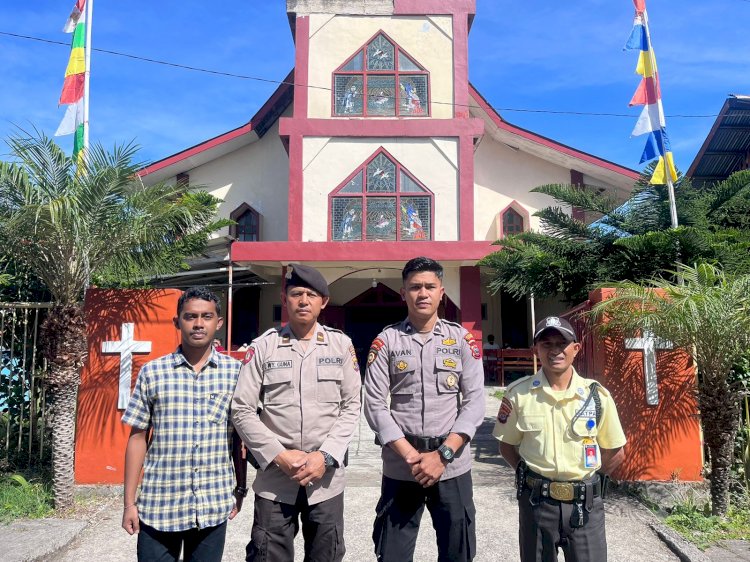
(270, 365)
(590, 453)
(330, 361)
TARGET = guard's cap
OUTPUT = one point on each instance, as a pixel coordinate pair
(298, 275)
(560, 325)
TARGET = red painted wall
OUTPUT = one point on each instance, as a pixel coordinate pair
(664, 441)
(101, 436)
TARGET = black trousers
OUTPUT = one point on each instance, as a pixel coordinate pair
(276, 524)
(545, 527)
(399, 511)
(201, 545)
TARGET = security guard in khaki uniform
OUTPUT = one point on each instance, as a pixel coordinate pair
(431, 370)
(558, 430)
(307, 378)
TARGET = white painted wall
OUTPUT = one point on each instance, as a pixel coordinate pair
(503, 174)
(256, 174)
(328, 162)
(334, 38)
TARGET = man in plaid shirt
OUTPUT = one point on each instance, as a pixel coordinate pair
(184, 399)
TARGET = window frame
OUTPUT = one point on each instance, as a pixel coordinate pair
(520, 211)
(237, 214)
(396, 73)
(336, 193)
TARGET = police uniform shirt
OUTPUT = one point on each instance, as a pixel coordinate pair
(310, 398)
(435, 385)
(538, 420)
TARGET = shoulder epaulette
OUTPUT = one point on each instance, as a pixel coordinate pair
(267, 333)
(394, 325)
(331, 329)
(514, 384)
(456, 324)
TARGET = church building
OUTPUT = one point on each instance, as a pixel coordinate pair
(376, 149)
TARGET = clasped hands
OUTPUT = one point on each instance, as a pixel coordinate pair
(427, 468)
(304, 468)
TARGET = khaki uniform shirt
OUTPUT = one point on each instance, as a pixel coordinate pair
(435, 386)
(539, 421)
(310, 400)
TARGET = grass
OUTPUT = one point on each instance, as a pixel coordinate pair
(698, 526)
(499, 394)
(21, 499)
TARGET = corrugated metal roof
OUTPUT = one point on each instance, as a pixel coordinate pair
(727, 146)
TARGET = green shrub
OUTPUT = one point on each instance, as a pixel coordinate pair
(20, 498)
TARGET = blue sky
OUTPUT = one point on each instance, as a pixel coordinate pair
(539, 54)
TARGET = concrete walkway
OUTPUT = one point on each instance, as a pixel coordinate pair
(629, 535)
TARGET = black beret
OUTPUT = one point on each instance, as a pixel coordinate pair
(557, 324)
(305, 276)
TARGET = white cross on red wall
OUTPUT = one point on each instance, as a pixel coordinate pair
(649, 344)
(126, 347)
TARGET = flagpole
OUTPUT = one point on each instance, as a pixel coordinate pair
(657, 88)
(87, 77)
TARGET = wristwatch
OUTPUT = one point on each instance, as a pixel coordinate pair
(240, 491)
(329, 460)
(446, 453)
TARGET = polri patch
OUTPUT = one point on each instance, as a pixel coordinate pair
(475, 351)
(505, 409)
(353, 353)
(330, 361)
(249, 354)
(377, 345)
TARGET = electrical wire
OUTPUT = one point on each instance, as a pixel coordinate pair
(282, 82)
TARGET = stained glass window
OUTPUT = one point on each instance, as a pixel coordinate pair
(381, 80)
(381, 175)
(349, 94)
(370, 205)
(380, 54)
(512, 222)
(347, 218)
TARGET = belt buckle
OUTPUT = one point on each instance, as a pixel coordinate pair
(561, 491)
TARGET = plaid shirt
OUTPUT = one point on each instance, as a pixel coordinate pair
(188, 476)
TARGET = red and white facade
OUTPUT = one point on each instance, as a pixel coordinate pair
(381, 151)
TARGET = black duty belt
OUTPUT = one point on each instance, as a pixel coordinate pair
(564, 491)
(422, 443)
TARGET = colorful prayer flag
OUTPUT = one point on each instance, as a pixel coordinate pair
(648, 94)
(651, 119)
(73, 91)
(75, 14)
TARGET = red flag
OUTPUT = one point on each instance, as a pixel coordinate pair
(72, 89)
(648, 92)
(640, 5)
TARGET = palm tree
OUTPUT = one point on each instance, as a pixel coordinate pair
(707, 312)
(68, 225)
(632, 241)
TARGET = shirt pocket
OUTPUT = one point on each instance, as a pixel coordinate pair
(329, 383)
(218, 407)
(278, 387)
(448, 369)
(404, 380)
(532, 433)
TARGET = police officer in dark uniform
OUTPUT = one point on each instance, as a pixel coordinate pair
(431, 370)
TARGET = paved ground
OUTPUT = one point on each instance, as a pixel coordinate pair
(630, 537)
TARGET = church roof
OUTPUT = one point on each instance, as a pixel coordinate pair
(503, 131)
(727, 145)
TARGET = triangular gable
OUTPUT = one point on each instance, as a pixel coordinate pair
(551, 150)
